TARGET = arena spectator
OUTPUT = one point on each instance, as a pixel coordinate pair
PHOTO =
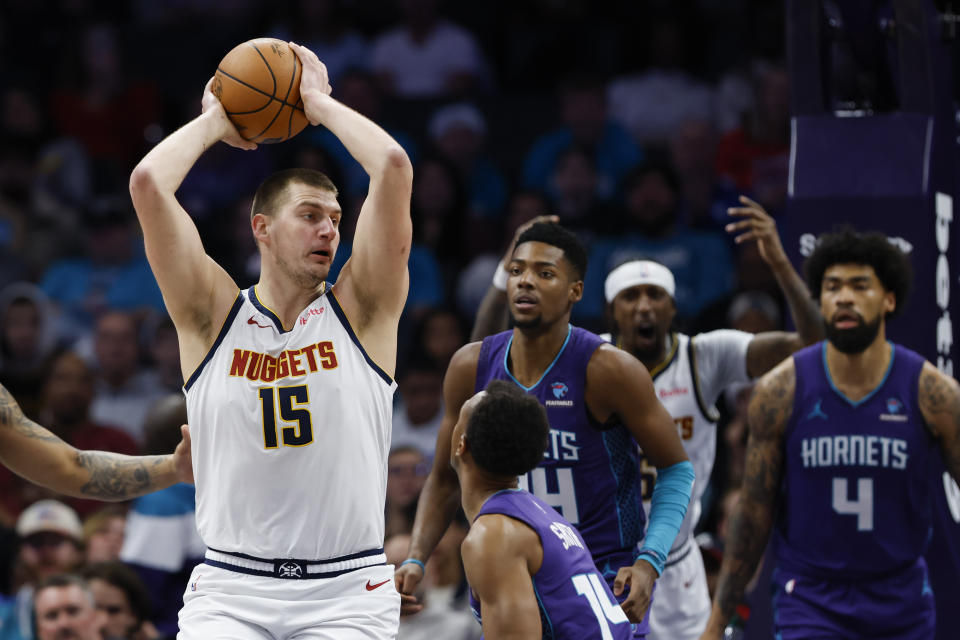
(427, 56)
(103, 534)
(161, 542)
(122, 599)
(27, 341)
(585, 122)
(419, 410)
(50, 544)
(124, 389)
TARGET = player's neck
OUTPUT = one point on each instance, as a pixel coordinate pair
(531, 353)
(284, 297)
(857, 374)
(476, 488)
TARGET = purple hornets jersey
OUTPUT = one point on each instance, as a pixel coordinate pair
(589, 471)
(856, 496)
(575, 603)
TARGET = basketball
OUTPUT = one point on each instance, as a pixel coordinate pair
(258, 83)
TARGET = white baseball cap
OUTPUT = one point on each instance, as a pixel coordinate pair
(49, 515)
(636, 272)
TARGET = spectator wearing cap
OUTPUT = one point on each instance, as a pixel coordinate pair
(112, 274)
(50, 543)
(459, 133)
(65, 608)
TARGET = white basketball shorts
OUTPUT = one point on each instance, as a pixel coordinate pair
(681, 603)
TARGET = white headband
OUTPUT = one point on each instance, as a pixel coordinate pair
(635, 272)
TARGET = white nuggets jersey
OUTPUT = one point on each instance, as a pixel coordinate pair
(291, 431)
(688, 383)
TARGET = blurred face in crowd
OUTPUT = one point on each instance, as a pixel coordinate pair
(693, 148)
(69, 389)
(67, 613)
(407, 471)
(115, 345)
(104, 544)
(442, 336)
(113, 603)
(643, 314)
(575, 182)
(584, 111)
(651, 202)
(21, 329)
(524, 207)
(47, 553)
(542, 285)
(422, 391)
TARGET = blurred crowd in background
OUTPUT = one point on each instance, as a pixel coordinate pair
(637, 123)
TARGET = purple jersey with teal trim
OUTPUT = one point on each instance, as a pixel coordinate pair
(589, 471)
(856, 492)
(575, 603)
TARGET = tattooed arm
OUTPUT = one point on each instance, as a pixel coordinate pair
(34, 453)
(940, 405)
(752, 519)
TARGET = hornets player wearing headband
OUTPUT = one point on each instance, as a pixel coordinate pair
(689, 373)
(842, 439)
(289, 383)
(600, 404)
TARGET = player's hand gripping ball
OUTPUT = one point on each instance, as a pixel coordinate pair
(258, 83)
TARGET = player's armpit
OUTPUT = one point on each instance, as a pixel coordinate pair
(500, 555)
(619, 385)
(769, 411)
(939, 398)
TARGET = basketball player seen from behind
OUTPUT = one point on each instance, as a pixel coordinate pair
(841, 438)
(289, 383)
(600, 404)
(530, 573)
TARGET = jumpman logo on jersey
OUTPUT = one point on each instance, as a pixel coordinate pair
(817, 412)
(608, 570)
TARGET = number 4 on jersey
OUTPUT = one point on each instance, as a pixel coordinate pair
(862, 507)
(289, 399)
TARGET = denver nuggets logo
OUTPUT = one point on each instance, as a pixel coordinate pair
(290, 570)
(559, 390)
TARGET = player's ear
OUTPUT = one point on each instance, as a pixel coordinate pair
(461, 445)
(889, 302)
(576, 291)
(260, 224)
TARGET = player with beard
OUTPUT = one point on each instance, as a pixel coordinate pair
(600, 404)
(841, 438)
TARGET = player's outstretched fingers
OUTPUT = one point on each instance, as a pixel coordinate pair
(409, 605)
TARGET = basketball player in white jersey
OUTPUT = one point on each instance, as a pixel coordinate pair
(289, 383)
(689, 373)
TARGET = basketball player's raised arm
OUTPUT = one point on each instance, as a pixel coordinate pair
(440, 496)
(39, 456)
(497, 554)
(376, 274)
(618, 385)
(940, 404)
(198, 293)
(752, 519)
(768, 349)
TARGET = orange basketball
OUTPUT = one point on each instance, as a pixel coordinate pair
(258, 83)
